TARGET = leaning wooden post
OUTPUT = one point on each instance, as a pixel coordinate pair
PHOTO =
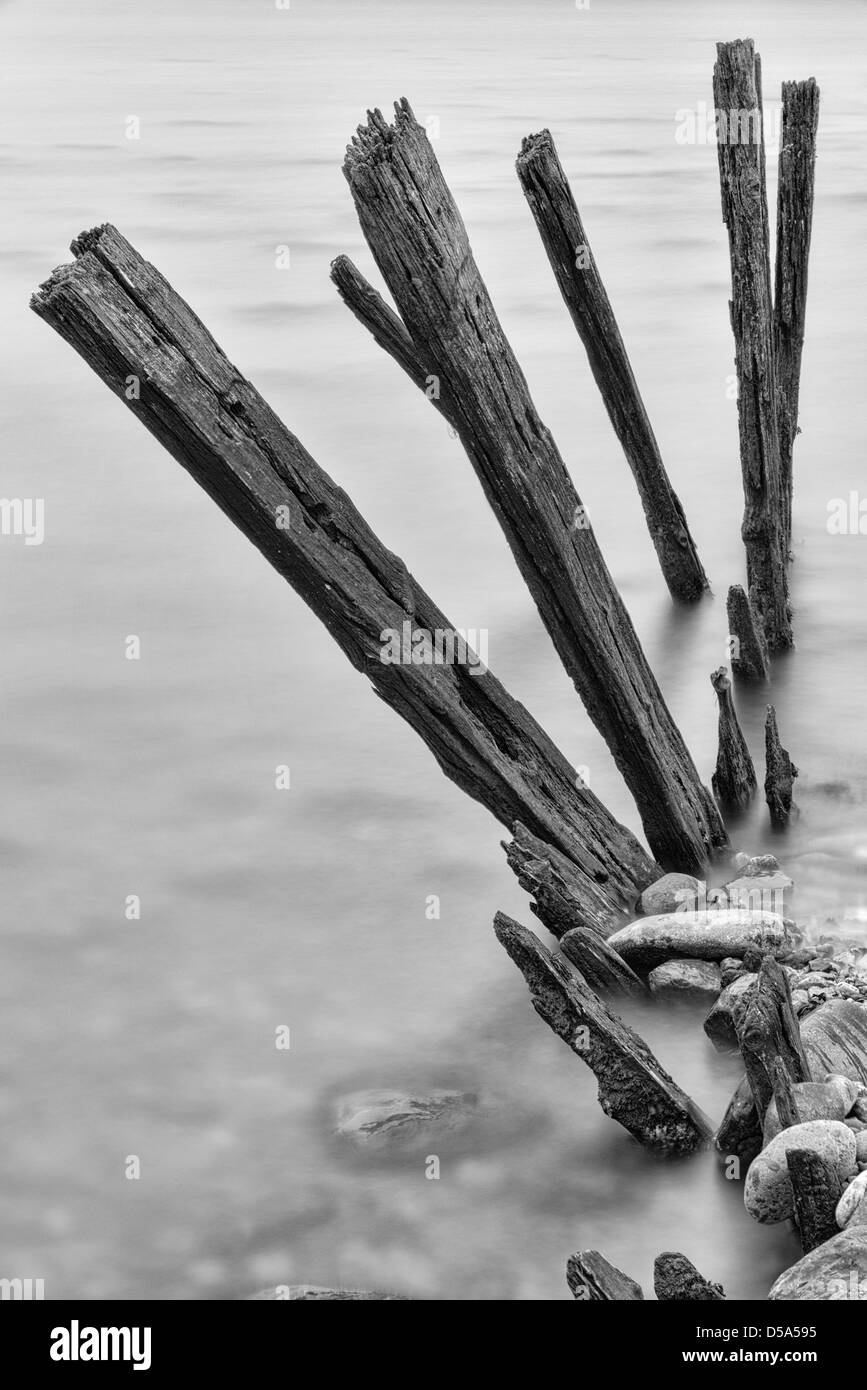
(740, 147)
(797, 167)
(780, 774)
(749, 650)
(769, 1035)
(124, 318)
(734, 781)
(420, 243)
(551, 202)
(633, 1087)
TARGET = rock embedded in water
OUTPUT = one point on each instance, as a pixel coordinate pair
(315, 1293)
(699, 936)
(686, 979)
(593, 1279)
(834, 1271)
(851, 1201)
(759, 864)
(815, 1101)
(768, 1189)
(671, 893)
(377, 1120)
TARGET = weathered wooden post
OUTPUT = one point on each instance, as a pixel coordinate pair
(741, 152)
(556, 215)
(420, 244)
(795, 186)
(124, 318)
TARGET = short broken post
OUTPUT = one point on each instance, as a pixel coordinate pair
(676, 1279)
(769, 1036)
(795, 185)
(563, 236)
(633, 1088)
(780, 774)
(741, 150)
(816, 1188)
(734, 781)
(747, 645)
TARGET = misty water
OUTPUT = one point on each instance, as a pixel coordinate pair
(156, 777)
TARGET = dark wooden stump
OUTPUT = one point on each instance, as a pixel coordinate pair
(734, 781)
(749, 650)
(817, 1188)
(780, 774)
(769, 1036)
(676, 1279)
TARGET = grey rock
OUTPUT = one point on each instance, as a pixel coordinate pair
(850, 1091)
(761, 864)
(699, 936)
(850, 1201)
(832, 1272)
(375, 1120)
(815, 1101)
(670, 893)
(695, 979)
(861, 1146)
(800, 1000)
(315, 1293)
(768, 1190)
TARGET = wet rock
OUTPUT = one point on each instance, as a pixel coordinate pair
(760, 864)
(377, 1120)
(768, 1189)
(815, 1101)
(850, 1092)
(850, 1201)
(699, 936)
(670, 893)
(314, 1293)
(834, 1271)
(686, 979)
(800, 1000)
